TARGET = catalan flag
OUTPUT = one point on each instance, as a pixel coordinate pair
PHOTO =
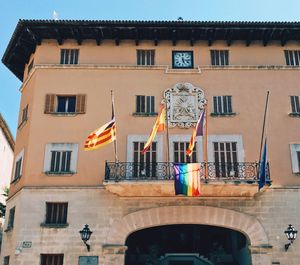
(187, 179)
(198, 131)
(159, 126)
(102, 136)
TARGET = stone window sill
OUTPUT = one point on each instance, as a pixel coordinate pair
(54, 225)
(294, 114)
(213, 114)
(51, 173)
(145, 114)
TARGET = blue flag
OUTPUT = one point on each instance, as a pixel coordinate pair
(263, 168)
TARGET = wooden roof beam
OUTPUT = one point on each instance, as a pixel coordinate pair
(34, 37)
(174, 37)
(249, 37)
(136, 37)
(98, 35)
(210, 37)
(116, 35)
(228, 37)
(284, 37)
(155, 35)
(192, 37)
(77, 35)
(59, 38)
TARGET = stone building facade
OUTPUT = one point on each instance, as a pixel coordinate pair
(69, 68)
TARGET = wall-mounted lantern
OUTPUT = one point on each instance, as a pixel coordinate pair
(291, 235)
(85, 234)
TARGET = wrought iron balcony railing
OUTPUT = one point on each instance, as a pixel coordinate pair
(132, 171)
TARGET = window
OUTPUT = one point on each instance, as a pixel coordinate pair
(225, 156)
(69, 56)
(219, 57)
(18, 166)
(180, 153)
(24, 116)
(145, 57)
(30, 65)
(144, 164)
(222, 105)
(295, 156)
(6, 260)
(60, 158)
(56, 213)
(11, 218)
(145, 105)
(295, 105)
(65, 104)
(292, 57)
(52, 259)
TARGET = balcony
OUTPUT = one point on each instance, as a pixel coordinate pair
(156, 179)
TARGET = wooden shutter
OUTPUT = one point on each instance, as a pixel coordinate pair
(80, 103)
(49, 104)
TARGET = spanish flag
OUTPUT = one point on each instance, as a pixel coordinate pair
(159, 126)
(102, 136)
(198, 131)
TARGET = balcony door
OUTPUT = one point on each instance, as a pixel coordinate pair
(226, 158)
(144, 165)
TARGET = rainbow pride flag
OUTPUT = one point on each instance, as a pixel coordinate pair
(187, 179)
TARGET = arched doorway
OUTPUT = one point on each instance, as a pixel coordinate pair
(187, 244)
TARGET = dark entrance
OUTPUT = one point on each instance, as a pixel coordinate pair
(187, 245)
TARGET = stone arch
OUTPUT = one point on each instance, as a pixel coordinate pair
(246, 224)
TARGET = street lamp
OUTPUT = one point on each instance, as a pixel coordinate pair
(291, 234)
(85, 234)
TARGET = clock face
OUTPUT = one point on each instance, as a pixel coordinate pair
(182, 59)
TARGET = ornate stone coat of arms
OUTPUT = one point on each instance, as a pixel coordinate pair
(184, 104)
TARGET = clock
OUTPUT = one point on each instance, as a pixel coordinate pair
(183, 59)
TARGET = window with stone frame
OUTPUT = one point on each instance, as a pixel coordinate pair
(295, 105)
(145, 105)
(18, 166)
(61, 158)
(295, 157)
(52, 259)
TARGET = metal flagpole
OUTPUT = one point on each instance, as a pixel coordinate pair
(168, 139)
(263, 128)
(113, 116)
(205, 145)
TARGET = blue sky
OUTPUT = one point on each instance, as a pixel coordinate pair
(203, 10)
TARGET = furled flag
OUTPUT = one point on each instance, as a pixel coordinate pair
(159, 126)
(187, 179)
(198, 131)
(263, 168)
(102, 136)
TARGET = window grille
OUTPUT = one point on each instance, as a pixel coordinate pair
(56, 213)
(219, 57)
(222, 104)
(52, 259)
(180, 153)
(60, 161)
(145, 57)
(295, 104)
(145, 104)
(292, 58)
(69, 56)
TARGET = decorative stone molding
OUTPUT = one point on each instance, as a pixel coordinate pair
(184, 104)
(114, 249)
(213, 216)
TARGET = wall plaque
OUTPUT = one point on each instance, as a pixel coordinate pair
(184, 104)
(88, 260)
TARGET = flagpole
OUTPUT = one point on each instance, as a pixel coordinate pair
(168, 139)
(113, 116)
(205, 145)
(263, 127)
